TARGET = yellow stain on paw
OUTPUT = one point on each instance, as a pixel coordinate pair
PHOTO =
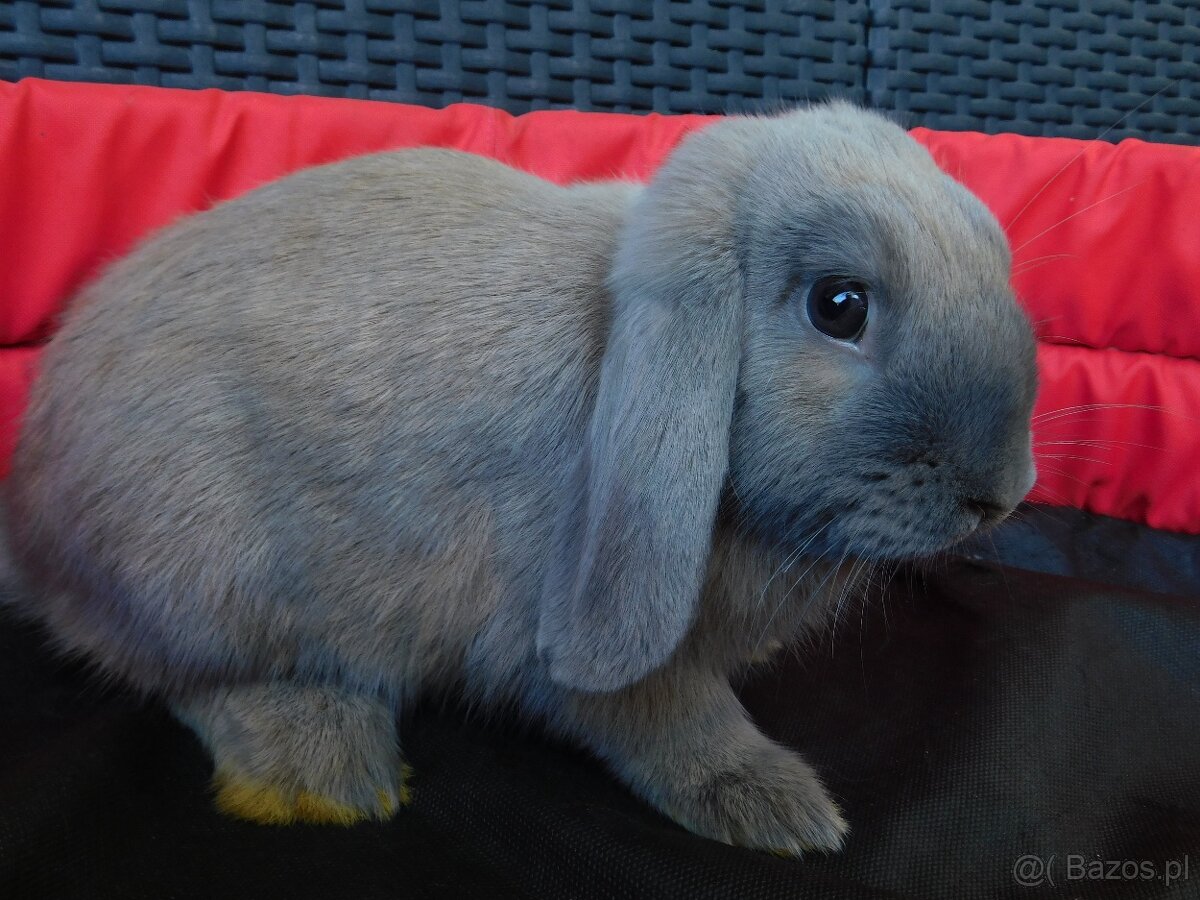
(265, 804)
(317, 810)
(405, 794)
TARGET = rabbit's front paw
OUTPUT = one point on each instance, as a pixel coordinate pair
(776, 804)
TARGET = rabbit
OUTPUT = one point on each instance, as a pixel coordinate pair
(418, 422)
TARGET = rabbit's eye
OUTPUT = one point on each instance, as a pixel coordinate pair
(837, 306)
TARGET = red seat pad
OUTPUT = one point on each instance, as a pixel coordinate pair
(1106, 241)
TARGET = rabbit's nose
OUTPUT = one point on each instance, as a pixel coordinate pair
(989, 510)
(993, 505)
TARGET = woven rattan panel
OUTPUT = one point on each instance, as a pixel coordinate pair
(627, 55)
(1071, 68)
(1055, 67)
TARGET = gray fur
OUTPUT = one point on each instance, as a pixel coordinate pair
(295, 737)
(418, 420)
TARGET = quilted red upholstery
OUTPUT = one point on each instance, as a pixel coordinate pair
(1107, 242)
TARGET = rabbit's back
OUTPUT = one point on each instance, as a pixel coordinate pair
(318, 428)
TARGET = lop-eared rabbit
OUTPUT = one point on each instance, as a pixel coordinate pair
(418, 422)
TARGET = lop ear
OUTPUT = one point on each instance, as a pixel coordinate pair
(635, 530)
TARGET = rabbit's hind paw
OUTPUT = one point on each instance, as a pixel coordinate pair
(267, 804)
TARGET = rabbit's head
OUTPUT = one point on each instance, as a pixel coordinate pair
(814, 321)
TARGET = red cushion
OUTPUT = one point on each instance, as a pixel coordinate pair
(1107, 242)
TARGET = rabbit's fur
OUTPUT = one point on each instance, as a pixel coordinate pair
(419, 420)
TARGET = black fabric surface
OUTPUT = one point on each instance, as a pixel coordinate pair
(1075, 68)
(1060, 540)
(972, 716)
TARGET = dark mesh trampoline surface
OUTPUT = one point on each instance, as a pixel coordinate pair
(972, 718)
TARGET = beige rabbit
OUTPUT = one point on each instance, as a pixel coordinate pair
(418, 421)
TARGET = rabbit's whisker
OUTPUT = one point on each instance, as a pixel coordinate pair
(1075, 457)
(782, 600)
(1073, 215)
(790, 559)
(1086, 146)
(1098, 443)
(1055, 414)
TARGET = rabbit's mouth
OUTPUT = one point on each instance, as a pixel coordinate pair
(914, 509)
(910, 536)
(854, 533)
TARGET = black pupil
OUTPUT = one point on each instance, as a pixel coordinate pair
(838, 307)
